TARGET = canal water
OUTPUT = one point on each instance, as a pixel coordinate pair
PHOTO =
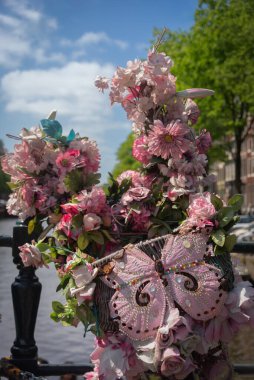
(56, 343)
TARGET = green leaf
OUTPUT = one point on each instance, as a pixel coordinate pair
(43, 247)
(92, 179)
(57, 307)
(230, 241)
(31, 225)
(64, 282)
(225, 215)
(54, 316)
(77, 220)
(216, 201)
(236, 202)
(108, 236)
(219, 250)
(97, 237)
(75, 181)
(83, 241)
(218, 236)
(13, 185)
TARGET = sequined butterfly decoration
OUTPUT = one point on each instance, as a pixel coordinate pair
(152, 277)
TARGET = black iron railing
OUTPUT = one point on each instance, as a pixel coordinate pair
(26, 290)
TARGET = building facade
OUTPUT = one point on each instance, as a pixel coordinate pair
(225, 172)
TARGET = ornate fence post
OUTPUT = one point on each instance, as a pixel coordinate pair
(26, 291)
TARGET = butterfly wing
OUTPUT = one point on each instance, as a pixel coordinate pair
(139, 302)
(193, 284)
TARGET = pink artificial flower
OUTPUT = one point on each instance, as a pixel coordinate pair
(91, 222)
(203, 141)
(140, 219)
(174, 364)
(135, 194)
(237, 311)
(89, 154)
(113, 357)
(101, 83)
(70, 208)
(92, 375)
(31, 256)
(139, 150)
(93, 201)
(85, 286)
(191, 163)
(201, 209)
(175, 328)
(27, 192)
(191, 111)
(17, 206)
(136, 178)
(168, 141)
(159, 60)
(66, 161)
(65, 224)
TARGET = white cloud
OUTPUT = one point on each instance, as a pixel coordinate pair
(21, 8)
(69, 88)
(13, 48)
(92, 38)
(22, 35)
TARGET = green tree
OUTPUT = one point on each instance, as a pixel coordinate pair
(218, 53)
(4, 178)
(125, 160)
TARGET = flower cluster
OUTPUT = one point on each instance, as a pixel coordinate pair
(46, 168)
(102, 273)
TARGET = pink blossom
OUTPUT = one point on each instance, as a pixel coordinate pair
(89, 153)
(174, 364)
(67, 161)
(17, 206)
(85, 286)
(135, 194)
(191, 111)
(101, 83)
(191, 163)
(237, 311)
(200, 207)
(175, 328)
(93, 201)
(204, 141)
(92, 375)
(31, 256)
(136, 178)
(140, 219)
(159, 60)
(65, 224)
(139, 150)
(70, 208)
(91, 222)
(168, 141)
(27, 192)
(113, 357)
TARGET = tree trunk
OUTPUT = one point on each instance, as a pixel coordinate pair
(238, 166)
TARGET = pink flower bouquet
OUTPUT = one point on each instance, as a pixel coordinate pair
(145, 264)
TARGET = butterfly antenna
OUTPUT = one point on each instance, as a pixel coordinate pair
(13, 137)
(159, 39)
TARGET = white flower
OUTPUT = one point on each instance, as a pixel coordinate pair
(83, 279)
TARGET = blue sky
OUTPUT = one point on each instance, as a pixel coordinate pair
(52, 50)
